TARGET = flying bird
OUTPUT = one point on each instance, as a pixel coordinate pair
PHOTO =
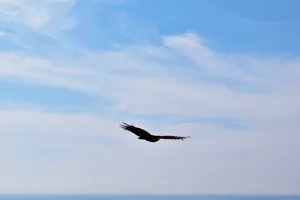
(145, 135)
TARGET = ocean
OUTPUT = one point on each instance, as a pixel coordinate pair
(149, 197)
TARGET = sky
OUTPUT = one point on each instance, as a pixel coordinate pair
(225, 74)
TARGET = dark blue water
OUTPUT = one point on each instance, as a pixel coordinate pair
(149, 197)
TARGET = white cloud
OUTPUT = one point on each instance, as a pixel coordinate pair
(67, 153)
(114, 76)
(36, 14)
(38, 71)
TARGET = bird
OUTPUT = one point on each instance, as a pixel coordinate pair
(145, 135)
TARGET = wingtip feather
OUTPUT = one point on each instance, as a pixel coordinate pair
(124, 125)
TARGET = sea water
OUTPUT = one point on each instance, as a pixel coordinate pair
(149, 197)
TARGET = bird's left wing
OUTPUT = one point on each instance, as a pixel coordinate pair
(136, 130)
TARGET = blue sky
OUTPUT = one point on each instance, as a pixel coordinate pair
(257, 26)
(225, 74)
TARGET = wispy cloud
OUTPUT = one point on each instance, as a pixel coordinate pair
(241, 110)
(36, 14)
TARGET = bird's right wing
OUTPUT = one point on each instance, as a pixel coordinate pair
(171, 137)
(136, 130)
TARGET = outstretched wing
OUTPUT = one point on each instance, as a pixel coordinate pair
(136, 130)
(171, 137)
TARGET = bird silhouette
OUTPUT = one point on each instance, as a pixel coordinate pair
(145, 135)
